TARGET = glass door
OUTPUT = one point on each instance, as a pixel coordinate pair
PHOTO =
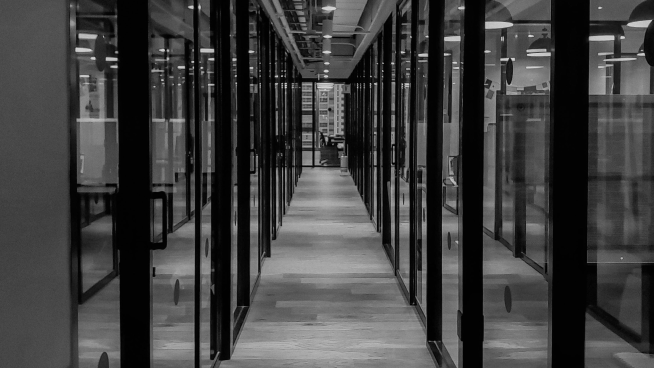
(173, 273)
(451, 259)
(404, 146)
(255, 148)
(421, 154)
(96, 150)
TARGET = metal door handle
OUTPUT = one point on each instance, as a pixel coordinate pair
(393, 154)
(164, 228)
(254, 170)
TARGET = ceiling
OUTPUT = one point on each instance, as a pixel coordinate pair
(355, 23)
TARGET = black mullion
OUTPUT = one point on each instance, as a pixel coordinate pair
(75, 210)
(413, 138)
(264, 47)
(199, 157)
(435, 122)
(134, 207)
(471, 319)
(568, 183)
(243, 152)
(387, 40)
(225, 206)
(398, 114)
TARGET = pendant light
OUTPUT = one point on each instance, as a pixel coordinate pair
(642, 15)
(542, 47)
(328, 5)
(497, 15)
(327, 46)
(327, 28)
(605, 32)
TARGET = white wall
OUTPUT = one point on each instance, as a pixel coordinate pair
(35, 292)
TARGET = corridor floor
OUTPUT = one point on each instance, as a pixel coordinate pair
(328, 297)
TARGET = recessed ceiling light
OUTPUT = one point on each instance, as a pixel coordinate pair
(507, 59)
(423, 55)
(487, 51)
(604, 53)
(84, 76)
(83, 50)
(534, 67)
(454, 38)
(206, 51)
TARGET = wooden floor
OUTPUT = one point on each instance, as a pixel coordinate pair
(328, 297)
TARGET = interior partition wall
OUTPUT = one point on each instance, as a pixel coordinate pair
(537, 243)
(168, 253)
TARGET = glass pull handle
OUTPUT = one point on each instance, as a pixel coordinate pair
(254, 152)
(393, 154)
(163, 244)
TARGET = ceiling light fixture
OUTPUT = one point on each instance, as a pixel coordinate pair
(206, 51)
(327, 28)
(452, 38)
(542, 47)
(329, 5)
(83, 50)
(497, 15)
(641, 50)
(642, 15)
(605, 32)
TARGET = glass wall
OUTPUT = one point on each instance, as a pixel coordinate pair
(451, 262)
(405, 132)
(620, 167)
(96, 153)
(184, 83)
(516, 120)
(422, 84)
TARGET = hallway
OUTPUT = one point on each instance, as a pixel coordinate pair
(327, 296)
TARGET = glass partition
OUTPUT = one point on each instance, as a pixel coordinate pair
(405, 131)
(452, 61)
(516, 116)
(422, 84)
(97, 184)
(173, 279)
(620, 192)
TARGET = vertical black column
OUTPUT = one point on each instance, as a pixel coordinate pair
(434, 174)
(225, 193)
(199, 177)
(412, 138)
(471, 319)
(134, 207)
(386, 130)
(243, 150)
(568, 183)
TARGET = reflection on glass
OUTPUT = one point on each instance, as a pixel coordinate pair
(97, 183)
(620, 168)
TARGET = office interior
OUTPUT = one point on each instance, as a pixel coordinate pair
(530, 122)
